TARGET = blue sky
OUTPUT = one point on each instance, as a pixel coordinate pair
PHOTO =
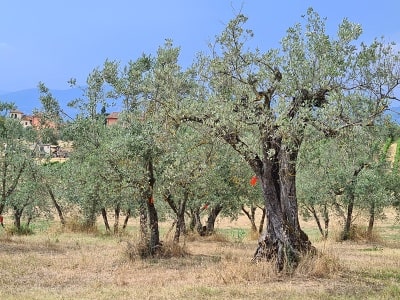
(52, 41)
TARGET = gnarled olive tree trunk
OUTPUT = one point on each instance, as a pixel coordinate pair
(283, 239)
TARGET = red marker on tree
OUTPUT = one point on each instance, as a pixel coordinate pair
(253, 180)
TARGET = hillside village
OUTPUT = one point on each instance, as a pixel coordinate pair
(60, 151)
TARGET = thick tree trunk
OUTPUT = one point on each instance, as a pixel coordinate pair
(154, 231)
(262, 221)
(283, 239)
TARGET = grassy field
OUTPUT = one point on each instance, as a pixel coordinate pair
(55, 264)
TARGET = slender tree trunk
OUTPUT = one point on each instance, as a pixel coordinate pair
(105, 219)
(371, 219)
(350, 206)
(326, 221)
(3, 184)
(195, 222)
(116, 218)
(212, 217)
(28, 221)
(17, 217)
(251, 216)
(153, 217)
(311, 208)
(90, 216)
(128, 214)
(56, 205)
(192, 222)
(180, 217)
(349, 215)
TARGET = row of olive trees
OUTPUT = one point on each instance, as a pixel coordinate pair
(106, 177)
(264, 107)
(347, 177)
(147, 155)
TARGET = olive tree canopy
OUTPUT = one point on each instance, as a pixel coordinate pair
(261, 104)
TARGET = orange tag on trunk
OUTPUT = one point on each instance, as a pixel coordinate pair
(253, 180)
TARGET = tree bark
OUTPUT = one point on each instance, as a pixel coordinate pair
(154, 231)
(311, 208)
(326, 221)
(105, 219)
(251, 216)
(117, 211)
(283, 239)
(212, 217)
(128, 214)
(91, 213)
(371, 219)
(347, 226)
(350, 206)
(180, 217)
(143, 222)
(179, 212)
(56, 205)
(262, 220)
(195, 222)
(153, 217)
(17, 217)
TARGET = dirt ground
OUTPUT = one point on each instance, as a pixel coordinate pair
(58, 264)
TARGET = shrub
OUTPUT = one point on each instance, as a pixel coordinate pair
(320, 265)
(142, 250)
(23, 230)
(76, 224)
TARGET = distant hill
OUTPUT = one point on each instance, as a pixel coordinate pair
(28, 100)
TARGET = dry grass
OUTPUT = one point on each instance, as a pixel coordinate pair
(59, 264)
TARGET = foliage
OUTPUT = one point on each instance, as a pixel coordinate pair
(301, 118)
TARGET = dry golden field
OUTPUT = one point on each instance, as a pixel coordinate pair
(56, 264)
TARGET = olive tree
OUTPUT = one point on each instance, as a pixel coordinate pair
(261, 103)
(344, 175)
(15, 156)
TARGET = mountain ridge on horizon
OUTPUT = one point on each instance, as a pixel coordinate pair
(27, 100)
